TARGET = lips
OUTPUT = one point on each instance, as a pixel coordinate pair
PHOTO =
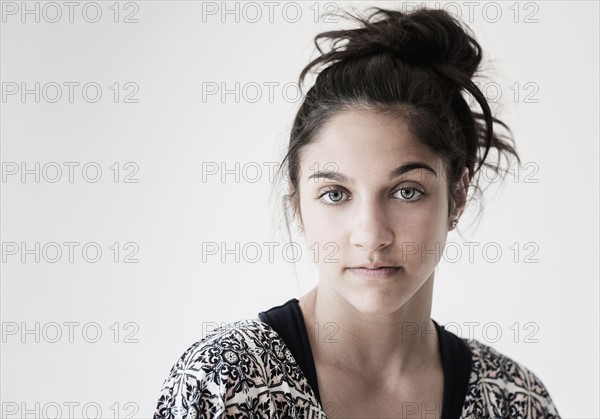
(381, 272)
(376, 265)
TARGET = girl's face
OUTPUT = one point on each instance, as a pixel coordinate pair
(370, 192)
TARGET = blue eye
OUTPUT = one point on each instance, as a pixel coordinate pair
(409, 192)
(334, 194)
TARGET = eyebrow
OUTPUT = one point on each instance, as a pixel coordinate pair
(397, 172)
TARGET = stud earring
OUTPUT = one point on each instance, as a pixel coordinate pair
(454, 223)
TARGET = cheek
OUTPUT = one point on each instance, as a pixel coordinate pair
(423, 235)
(428, 221)
(323, 231)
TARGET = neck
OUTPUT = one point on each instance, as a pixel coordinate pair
(394, 344)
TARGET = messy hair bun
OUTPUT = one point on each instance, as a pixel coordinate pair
(419, 65)
(426, 37)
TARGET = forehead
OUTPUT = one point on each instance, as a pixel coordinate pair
(367, 141)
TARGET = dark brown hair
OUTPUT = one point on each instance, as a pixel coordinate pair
(418, 66)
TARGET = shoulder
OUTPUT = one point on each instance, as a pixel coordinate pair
(240, 368)
(501, 387)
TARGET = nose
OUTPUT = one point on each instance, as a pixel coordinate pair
(371, 226)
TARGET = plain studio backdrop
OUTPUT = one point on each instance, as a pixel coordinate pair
(139, 142)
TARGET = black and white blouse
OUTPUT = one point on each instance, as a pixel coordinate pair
(264, 369)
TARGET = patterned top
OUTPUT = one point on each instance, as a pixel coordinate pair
(244, 369)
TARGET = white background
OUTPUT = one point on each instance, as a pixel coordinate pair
(164, 302)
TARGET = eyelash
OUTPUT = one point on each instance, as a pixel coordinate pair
(412, 201)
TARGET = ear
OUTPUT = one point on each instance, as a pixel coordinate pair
(462, 188)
